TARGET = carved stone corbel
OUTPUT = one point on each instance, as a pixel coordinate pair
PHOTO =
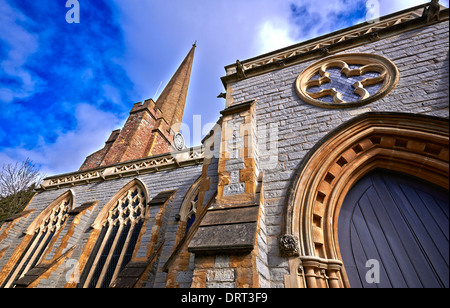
(324, 51)
(431, 12)
(240, 70)
(289, 246)
(374, 36)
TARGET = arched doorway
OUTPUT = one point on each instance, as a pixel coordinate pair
(408, 144)
(393, 232)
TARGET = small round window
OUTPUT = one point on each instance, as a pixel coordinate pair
(347, 80)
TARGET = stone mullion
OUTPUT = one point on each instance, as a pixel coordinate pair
(36, 253)
(124, 250)
(108, 259)
(24, 259)
(97, 257)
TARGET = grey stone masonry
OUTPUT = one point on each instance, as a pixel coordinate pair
(180, 179)
(422, 58)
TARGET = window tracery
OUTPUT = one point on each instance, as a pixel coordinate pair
(190, 217)
(347, 80)
(118, 237)
(44, 232)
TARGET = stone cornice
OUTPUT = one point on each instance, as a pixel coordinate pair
(238, 108)
(332, 43)
(188, 157)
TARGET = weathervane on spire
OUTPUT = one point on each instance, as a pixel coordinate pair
(195, 44)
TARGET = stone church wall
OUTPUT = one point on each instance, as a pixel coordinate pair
(265, 133)
(180, 179)
(421, 57)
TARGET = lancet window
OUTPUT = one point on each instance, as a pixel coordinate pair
(48, 228)
(117, 240)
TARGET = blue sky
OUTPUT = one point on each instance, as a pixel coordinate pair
(65, 87)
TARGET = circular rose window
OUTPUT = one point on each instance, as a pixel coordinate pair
(347, 80)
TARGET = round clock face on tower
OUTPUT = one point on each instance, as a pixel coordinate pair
(178, 141)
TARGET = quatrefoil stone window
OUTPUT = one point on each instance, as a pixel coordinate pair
(347, 80)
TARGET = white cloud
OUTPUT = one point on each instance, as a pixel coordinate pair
(280, 26)
(157, 35)
(275, 34)
(388, 6)
(20, 45)
(70, 149)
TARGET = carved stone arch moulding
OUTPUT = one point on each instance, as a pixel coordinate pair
(38, 238)
(102, 216)
(189, 204)
(347, 80)
(411, 144)
(68, 197)
(117, 230)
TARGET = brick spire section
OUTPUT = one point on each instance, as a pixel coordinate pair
(172, 100)
(150, 127)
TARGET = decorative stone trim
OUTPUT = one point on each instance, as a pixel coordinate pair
(62, 204)
(320, 273)
(38, 238)
(288, 245)
(332, 43)
(124, 193)
(367, 63)
(151, 164)
(411, 144)
(237, 170)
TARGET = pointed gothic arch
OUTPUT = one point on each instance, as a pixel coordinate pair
(38, 237)
(410, 144)
(188, 209)
(101, 217)
(119, 224)
(68, 195)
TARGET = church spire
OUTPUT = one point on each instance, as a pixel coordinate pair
(149, 128)
(172, 100)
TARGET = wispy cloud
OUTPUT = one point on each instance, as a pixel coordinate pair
(51, 74)
(18, 44)
(64, 87)
(308, 19)
(313, 19)
(68, 151)
(388, 7)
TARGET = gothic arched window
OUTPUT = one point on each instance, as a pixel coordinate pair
(188, 209)
(45, 228)
(117, 240)
(190, 218)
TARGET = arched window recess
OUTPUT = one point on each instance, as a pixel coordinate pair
(43, 229)
(120, 223)
(188, 209)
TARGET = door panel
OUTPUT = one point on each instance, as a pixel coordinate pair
(402, 223)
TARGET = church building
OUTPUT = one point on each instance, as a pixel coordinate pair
(328, 168)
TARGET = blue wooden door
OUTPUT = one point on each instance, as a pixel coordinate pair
(396, 227)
